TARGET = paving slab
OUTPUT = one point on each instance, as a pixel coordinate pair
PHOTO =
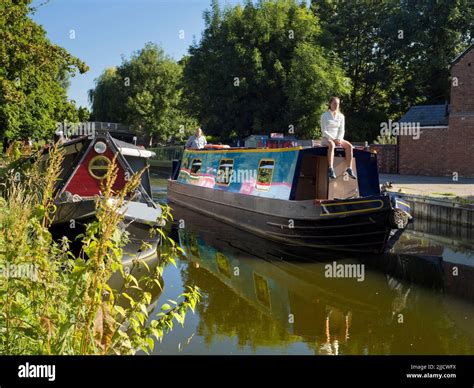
(438, 187)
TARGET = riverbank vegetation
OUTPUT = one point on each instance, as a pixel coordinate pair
(54, 301)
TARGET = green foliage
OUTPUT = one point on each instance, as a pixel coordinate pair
(435, 33)
(107, 98)
(258, 70)
(144, 92)
(83, 114)
(396, 53)
(33, 76)
(66, 304)
(385, 139)
(264, 66)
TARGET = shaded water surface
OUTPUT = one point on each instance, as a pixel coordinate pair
(265, 298)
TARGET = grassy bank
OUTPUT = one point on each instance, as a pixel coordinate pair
(53, 301)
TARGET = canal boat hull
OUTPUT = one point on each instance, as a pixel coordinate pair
(285, 195)
(355, 225)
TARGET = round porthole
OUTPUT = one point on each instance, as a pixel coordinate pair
(100, 147)
(98, 166)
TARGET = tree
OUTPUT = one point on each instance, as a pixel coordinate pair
(83, 114)
(144, 92)
(435, 33)
(257, 69)
(396, 53)
(108, 98)
(33, 76)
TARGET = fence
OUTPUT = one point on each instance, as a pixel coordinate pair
(168, 153)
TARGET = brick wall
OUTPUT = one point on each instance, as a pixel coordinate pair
(462, 96)
(461, 117)
(425, 156)
(386, 157)
(443, 151)
(461, 145)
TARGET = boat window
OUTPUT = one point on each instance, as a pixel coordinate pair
(224, 172)
(196, 166)
(98, 166)
(265, 174)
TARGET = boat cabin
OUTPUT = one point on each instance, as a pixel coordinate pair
(87, 159)
(283, 173)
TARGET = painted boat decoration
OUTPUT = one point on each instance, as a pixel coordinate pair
(284, 194)
(86, 160)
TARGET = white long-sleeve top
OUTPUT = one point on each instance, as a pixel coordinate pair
(332, 127)
(196, 142)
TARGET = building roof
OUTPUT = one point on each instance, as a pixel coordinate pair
(460, 56)
(426, 115)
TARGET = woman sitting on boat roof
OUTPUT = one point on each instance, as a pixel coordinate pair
(332, 127)
(196, 141)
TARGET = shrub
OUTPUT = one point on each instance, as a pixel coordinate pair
(64, 304)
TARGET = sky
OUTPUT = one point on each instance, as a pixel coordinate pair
(100, 32)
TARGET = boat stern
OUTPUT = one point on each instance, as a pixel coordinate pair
(400, 216)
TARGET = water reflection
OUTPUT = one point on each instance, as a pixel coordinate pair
(140, 259)
(263, 294)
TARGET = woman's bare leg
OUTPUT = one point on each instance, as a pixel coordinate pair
(349, 153)
(331, 146)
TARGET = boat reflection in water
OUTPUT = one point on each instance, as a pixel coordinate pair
(269, 296)
(141, 247)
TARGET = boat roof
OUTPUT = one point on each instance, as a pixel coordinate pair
(247, 149)
(131, 149)
(242, 149)
(125, 148)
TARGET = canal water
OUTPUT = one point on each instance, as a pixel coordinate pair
(265, 298)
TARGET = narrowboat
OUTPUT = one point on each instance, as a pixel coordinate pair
(285, 195)
(86, 161)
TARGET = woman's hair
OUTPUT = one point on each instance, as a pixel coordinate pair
(332, 99)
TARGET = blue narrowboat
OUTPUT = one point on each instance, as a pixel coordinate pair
(284, 194)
